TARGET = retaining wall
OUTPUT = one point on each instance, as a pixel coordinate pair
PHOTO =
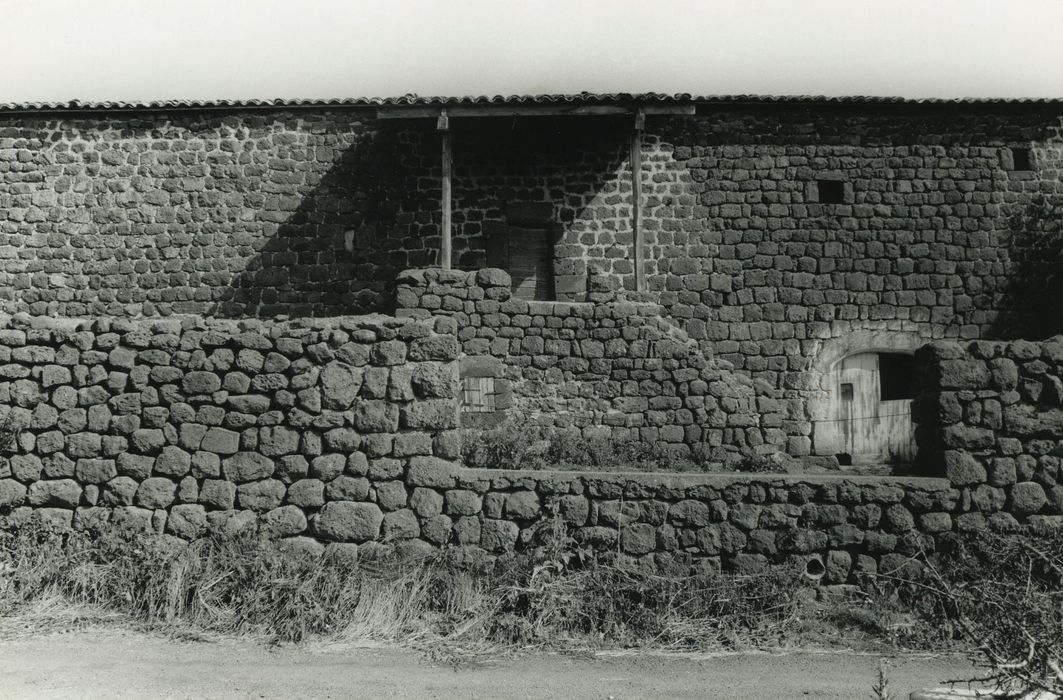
(344, 433)
(738, 523)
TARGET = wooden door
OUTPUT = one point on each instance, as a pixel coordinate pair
(871, 430)
(527, 254)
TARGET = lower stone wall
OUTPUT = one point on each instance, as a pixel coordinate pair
(344, 433)
(733, 523)
(186, 426)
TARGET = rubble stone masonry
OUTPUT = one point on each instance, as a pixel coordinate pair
(223, 382)
(613, 366)
(314, 212)
(991, 417)
(343, 433)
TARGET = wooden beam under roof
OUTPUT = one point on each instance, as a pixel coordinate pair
(636, 201)
(504, 110)
(443, 126)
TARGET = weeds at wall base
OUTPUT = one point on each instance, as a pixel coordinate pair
(551, 598)
(517, 443)
(245, 586)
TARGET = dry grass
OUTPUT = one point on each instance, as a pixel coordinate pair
(554, 597)
(517, 443)
(243, 586)
(50, 614)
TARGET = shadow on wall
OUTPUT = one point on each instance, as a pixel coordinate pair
(377, 212)
(1034, 294)
(573, 165)
(338, 251)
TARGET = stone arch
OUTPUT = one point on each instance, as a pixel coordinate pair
(824, 439)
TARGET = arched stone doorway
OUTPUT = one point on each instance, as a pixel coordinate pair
(861, 411)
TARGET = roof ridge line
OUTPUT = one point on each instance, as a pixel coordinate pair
(415, 100)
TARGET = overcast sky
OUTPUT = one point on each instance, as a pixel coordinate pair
(147, 49)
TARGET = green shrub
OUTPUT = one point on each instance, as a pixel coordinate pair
(510, 445)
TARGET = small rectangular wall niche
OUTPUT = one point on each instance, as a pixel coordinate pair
(830, 191)
(1021, 160)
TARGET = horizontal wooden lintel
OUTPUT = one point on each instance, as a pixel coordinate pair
(526, 111)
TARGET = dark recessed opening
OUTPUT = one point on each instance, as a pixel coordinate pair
(1020, 159)
(830, 191)
(896, 373)
(814, 568)
(844, 459)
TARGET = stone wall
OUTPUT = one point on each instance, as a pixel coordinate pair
(188, 425)
(197, 211)
(738, 523)
(278, 212)
(938, 236)
(992, 415)
(314, 212)
(211, 212)
(343, 430)
(343, 433)
(613, 367)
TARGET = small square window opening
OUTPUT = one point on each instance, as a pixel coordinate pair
(1021, 160)
(830, 191)
(478, 395)
(897, 376)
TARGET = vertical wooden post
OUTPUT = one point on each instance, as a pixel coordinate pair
(636, 201)
(443, 125)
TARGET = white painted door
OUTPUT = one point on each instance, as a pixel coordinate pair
(870, 430)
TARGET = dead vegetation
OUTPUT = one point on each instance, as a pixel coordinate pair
(517, 443)
(245, 586)
(999, 594)
(1002, 595)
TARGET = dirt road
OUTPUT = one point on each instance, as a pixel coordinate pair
(97, 664)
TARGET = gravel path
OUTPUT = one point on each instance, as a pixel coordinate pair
(105, 663)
